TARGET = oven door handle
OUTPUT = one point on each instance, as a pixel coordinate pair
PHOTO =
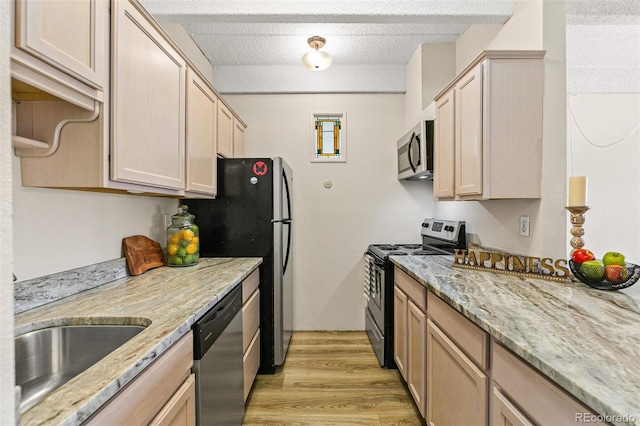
(375, 260)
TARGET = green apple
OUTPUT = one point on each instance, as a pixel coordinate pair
(613, 258)
(592, 270)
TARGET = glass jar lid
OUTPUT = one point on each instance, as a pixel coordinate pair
(183, 217)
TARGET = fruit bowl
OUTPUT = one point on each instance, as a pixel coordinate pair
(632, 275)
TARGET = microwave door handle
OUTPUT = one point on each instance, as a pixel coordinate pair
(419, 150)
(409, 153)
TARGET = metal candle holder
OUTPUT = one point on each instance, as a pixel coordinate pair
(577, 220)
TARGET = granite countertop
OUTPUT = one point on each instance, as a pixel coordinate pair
(168, 299)
(585, 340)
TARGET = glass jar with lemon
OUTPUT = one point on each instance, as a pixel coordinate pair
(183, 239)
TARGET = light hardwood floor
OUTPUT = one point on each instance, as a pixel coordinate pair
(331, 378)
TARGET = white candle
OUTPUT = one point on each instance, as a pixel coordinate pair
(577, 191)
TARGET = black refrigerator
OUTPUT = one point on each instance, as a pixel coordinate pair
(251, 217)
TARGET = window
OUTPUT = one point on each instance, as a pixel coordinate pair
(329, 138)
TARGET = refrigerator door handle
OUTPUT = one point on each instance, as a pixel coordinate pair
(286, 258)
(287, 193)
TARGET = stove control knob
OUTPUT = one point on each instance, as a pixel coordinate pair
(425, 225)
(448, 228)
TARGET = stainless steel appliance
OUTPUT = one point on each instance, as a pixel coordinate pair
(217, 364)
(415, 152)
(47, 358)
(252, 218)
(438, 237)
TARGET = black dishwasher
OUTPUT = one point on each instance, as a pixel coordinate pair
(217, 363)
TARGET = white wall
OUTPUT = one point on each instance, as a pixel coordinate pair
(56, 230)
(367, 203)
(190, 48)
(610, 32)
(431, 67)
(613, 223)
(7, 405)
(494, 223)
(522, 31)
(75, 228)
(604, 108)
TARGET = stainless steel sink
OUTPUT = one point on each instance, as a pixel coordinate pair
(48, 358)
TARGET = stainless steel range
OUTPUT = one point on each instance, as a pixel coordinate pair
(439, 237)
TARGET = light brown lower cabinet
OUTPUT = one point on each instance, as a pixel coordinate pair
(447, 387)
(456, 387)
(467, 377)
(400, 311)
(538, 400)
(250, 329)
(162, 394)
(410, 344)
(505, 413)
(417, 356)
(181, 408)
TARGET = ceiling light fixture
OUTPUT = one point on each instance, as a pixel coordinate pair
(316, 60)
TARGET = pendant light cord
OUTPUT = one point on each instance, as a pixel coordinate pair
(586, 138)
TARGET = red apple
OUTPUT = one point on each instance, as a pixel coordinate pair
(616, 274)
(582, 255)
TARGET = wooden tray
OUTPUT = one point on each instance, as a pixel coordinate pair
(142, 254)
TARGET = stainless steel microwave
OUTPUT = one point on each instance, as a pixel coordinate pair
(415, 152)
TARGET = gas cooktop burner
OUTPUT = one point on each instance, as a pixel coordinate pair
(384, 250)
(388, 247)
(438, 237)
(412, 246)
(423, 252)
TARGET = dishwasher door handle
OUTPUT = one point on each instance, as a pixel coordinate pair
(208, 328)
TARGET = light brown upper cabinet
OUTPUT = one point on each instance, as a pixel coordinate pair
(61, 48)
(147, 102)
(238, 137)
(488, 129)
(67, 35)
(135, 139)
(151, 130)
(202, 110)
(230, 133)
(225, 131)
(444, 133)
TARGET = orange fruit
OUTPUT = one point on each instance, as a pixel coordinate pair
(186, 234)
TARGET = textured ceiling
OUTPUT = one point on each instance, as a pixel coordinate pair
(610, 32)
(256, 45)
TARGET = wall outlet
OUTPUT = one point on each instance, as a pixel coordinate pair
(524, 226)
